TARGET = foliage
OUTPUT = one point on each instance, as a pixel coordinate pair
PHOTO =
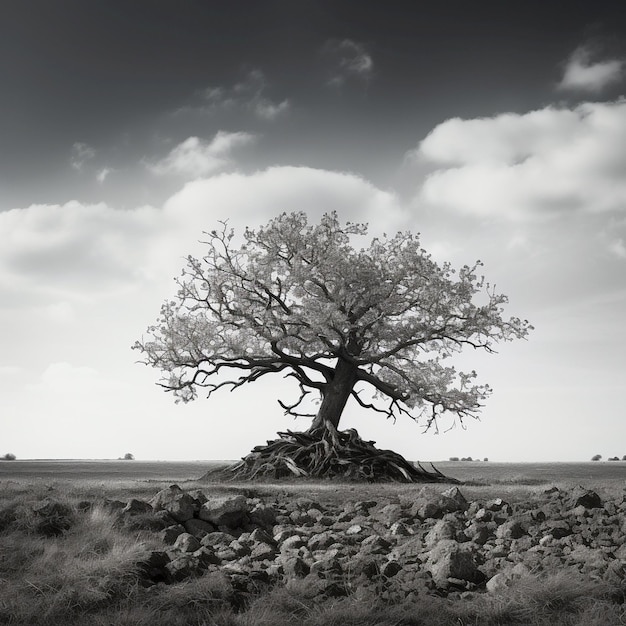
(8, 457)
(300, 300)
(596, 457)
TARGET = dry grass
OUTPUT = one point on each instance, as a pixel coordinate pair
(87, 572)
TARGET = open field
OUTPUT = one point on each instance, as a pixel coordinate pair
(86, 570)
(586, 473)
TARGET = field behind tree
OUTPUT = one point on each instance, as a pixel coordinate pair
(590, 473)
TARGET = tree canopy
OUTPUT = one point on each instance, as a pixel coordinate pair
(375, 324)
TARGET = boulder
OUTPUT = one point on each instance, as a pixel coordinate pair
(186, 543)
(587, 498)
(229, 511)
(180, 505)
(137, 507)
(450, 559)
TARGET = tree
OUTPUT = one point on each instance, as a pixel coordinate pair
(373, 324)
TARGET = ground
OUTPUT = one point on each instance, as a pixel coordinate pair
(78, 561)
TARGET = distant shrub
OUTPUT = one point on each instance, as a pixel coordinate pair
(127, 457)
(467, 458)
(624, 458)
(614, 458)
(596, 457)
(485, 459)
(9, 457)
(453, 458)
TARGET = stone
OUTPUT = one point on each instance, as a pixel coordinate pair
(587, 498)
(229, 511)
(180, 505)
(198, 528)
(292, 543)
(186, 543)
(262, 552)
(263, 516)
(154, 567)
(511, 529)
(443, 529)
(171, 533)
(137, 507)
(216, 539)
(450, 559)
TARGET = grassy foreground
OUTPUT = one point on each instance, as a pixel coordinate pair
(77, 565)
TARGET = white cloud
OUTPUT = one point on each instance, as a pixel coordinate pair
(253, 199)
(541, 163)
(351, 60)
(103, 174)
(73, 249)
(81, 153)
(246, 95)
(618, 248)
(584, 74)
(195, 157)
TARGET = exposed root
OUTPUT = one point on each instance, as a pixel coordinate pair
(329, 453)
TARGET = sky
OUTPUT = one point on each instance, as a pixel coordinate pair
(495, 130)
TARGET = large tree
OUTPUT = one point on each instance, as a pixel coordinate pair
(374, 324)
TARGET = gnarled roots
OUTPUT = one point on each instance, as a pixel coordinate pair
(329, 453)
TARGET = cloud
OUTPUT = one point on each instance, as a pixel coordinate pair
(77, 250)
(618, 248)
(252, 199)
(584, 74)
(103, 174)
(81, 153)
(247, 95)
(54, 258)
(351, 60)
(195, 158)
(542, 163)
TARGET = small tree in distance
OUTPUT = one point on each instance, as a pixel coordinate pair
(373, 325)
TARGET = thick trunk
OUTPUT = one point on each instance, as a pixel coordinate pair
(335, 396)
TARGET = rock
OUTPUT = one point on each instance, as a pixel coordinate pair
(198, 528)
(171, 533)
(183, 567)
(180, 505)
(429, 505)
(229, 511)
(450, 559)
(262, 552)
(216, 540)
(293, 566)
(390, 569)
(478, 532)
(443, 529)
(375, 544)
(263, 516)
(511, 529)
(186, 543)
(390, 513)
(587, 498)
(503, 580)
(137, 507)
(292, 543)
(154, 567)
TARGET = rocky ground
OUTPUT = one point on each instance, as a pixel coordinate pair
(435, 542)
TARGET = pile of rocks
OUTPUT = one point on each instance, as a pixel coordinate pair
(393, 548)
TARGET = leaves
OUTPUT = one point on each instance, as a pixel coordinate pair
(297, 298)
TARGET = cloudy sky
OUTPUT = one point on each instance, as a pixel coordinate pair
(496, 130)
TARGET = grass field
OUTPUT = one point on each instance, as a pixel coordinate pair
(88, 574)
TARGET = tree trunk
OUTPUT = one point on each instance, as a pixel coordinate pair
(335, 396)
